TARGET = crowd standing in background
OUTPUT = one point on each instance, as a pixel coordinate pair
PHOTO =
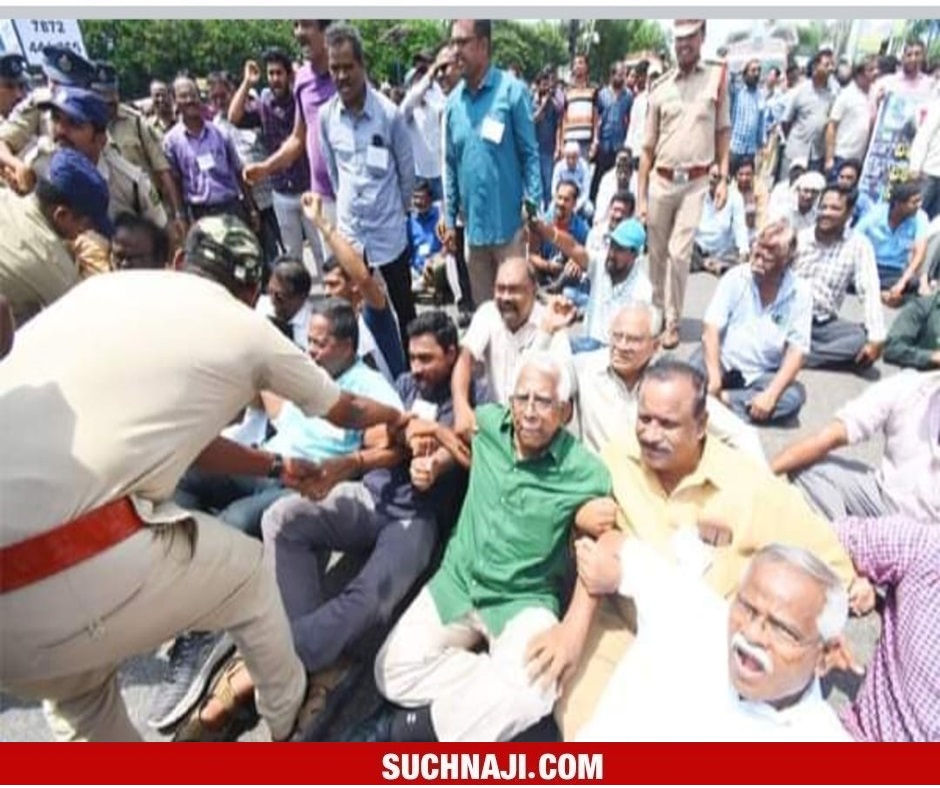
(548, 509)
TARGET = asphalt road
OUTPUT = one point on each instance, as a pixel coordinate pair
(827, 391)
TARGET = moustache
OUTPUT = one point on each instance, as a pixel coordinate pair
(761, 657)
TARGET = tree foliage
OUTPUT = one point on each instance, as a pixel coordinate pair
(531, 47)
(620, 37)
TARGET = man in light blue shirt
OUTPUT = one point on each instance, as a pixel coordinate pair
(721, 239)
(898, 232)
(573, 169)
(757, 331)
(367, 148)
(240, 501)
(492, 160)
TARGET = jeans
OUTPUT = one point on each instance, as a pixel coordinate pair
(295, 227)
(238, 501)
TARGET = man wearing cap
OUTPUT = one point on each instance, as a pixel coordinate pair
(90, 536)
(79, 121)
(800, 210)
(138, 142)
(40, 258)
(23, 127)
(688, 126)
(12, 83)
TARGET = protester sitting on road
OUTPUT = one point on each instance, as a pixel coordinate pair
(721, 239)
(914, 337)
(138, 243)
(558, 240)
(757, 332)
(799, 211)
(905, 409)
(571, 168)
(285, 304)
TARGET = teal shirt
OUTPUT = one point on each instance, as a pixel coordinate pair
(509, 551)
(314, 438)
(491, 157)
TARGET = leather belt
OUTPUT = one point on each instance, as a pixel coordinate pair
(49, 553)
(682, 174)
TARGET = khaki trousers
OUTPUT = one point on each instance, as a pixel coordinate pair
(611, 634)
(473, 696)
(674, 214)
(483, 261)
(64, 638)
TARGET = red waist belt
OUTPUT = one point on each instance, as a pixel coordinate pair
(48, 553)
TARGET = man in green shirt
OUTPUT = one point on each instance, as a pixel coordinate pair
(914, 338)
(502, 579)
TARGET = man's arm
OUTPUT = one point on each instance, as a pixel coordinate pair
(355, 412)
(236, 109)
(763, 404)
(291, 149)
(451, 185)
(810, 449)
(527, 149)
(563, 241)
(831, 129)
(404, 163)
(460, 382)
(711, 349)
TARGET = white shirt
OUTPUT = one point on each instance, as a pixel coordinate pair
(636, 132)
(673, 683)
(605, 194)
(606, 298)
(423, 109)
(117, 387)
(723, 232)
(925, 150)
(784, 205)
(851, 111)
(502, 352)
(299, 323)
(606, 410)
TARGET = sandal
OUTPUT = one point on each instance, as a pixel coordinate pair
(194, 729)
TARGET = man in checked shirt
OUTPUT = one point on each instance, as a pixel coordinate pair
(832, 257)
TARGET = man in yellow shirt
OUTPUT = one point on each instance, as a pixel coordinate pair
(696, 501)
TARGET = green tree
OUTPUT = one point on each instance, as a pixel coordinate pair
(529, 46)
(618, 38)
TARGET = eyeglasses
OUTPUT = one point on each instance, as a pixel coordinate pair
(462, 42)
(630, 340)
(541, 403)
(780, 633)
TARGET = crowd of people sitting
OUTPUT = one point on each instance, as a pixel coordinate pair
(218, 373)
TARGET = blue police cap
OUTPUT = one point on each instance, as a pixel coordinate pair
(81, 106)
(75, 177)
(66, 67)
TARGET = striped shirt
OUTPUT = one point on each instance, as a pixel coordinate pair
(747, 121)
(579, 114)
(900, 697)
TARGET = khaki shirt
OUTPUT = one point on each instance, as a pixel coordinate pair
(685, 112)
(728, 487)
(27, 122)
(138, 141)
(36, 265)
(130, 187)
(171, 359)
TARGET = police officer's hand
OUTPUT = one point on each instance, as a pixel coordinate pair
(721, 194)
(252, 72)
(642, 210)
(178, 230)
(20, 177)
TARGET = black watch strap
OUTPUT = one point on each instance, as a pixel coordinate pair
(277, 467)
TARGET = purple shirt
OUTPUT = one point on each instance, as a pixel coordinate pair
(900, 697)
(206, 163)
(276, 118)
(312, 91)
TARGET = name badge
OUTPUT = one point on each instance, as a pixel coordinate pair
(206, 162)
(377, 158)
(492, 130)
(424, 249)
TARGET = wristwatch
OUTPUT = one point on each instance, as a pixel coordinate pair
(277, 467)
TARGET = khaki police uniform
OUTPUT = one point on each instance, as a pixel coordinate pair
(137, 141)
(27, 123)
(130, 187)
(685, 112)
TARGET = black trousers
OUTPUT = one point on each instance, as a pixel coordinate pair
(397, 275)
(602, 164)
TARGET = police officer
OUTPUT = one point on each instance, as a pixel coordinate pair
(79, 121)
(138, 141)
(27, 123)
(688, 126)
(12, 83)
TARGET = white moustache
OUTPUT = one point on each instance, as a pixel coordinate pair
(738, 641)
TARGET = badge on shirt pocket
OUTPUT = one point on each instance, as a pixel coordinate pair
(205, 162)
(377, 158)
(492, 130)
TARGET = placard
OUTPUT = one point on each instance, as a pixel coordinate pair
(36, 34)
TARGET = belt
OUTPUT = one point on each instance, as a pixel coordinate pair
(682, 174)
(49, 553)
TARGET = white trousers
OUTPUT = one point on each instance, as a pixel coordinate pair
(473, 696)
(295, 228)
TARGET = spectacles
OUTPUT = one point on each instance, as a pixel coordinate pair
(462, 42)
(541, 403)
(630, 340)
(780, 633)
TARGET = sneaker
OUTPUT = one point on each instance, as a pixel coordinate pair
(376, 728)
(194, 660)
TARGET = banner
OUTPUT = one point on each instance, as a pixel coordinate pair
(886, 162)
(36, 34)
(479, 764)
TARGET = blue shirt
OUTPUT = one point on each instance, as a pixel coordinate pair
(747, 120)
(314, 438)
(577, 229)
(754, 338)
(615, 117)
(422, 230)
(546, 128)
(492, 159)
(371, 165)
(863, 205)
(892, 247)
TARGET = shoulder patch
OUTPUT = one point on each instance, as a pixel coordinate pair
(662, 79)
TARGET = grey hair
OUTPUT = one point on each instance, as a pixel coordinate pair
(543, 361)
(832, 619)
(653, 312)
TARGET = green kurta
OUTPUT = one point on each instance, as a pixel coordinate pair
(914, 337)
(509, 549)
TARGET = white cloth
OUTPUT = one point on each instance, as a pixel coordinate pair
(673, 683)
(636, 131)
(502, 352)
(925, 150)
(606, 410)
(299, 323)
(423, 108)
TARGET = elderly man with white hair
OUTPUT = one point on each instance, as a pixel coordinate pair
(799, 211)
(571, 168)
(706, 669)
(501, 582)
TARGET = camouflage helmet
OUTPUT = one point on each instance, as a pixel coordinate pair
(225, 246)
